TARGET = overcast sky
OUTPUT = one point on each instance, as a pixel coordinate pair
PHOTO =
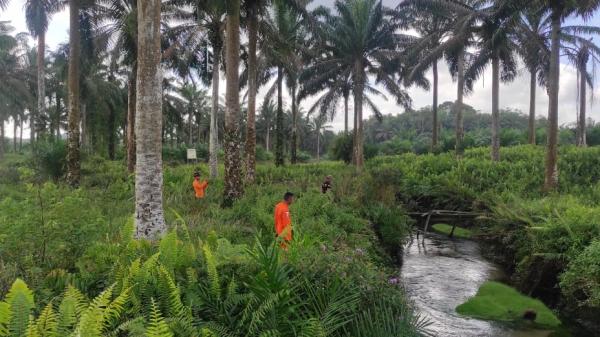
(513, 95)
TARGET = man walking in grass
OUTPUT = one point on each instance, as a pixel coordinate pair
(199, 186)
(283, 220)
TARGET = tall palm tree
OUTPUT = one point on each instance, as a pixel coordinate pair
(284, 36)
(37, 15)
(208, 18)
(117, 22)
(234, 187)
(362, 41)
(433, 30)
(149, 217)
(495, 46)
(559, 10)
(581, 51)
(73, 155)
(457, 39)
(252, 8)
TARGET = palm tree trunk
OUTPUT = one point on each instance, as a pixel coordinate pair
(15, 125)
(57, 117)
(532, 92)
(131, 105)
(41, 81)
(1, 137)
(267, 138)
(551, 170)
(346, 94)
(279, 161)
(234, 187)
(318, 145)
(434, 108)
(458, 105)
(581, 122)
(73, 156)
(149, 218)
(294, 145)
(111, 132)
(20, 135)
(359, 157)
(252, 91)
(84, 135)
(190, 128)
(214, 113)
(495, 109)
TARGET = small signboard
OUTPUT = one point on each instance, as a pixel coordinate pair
(191, 154)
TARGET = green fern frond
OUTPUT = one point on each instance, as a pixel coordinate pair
(91, 323)
(47, 322)
(32, 330)
(115, 309)
(157, 327)
(20, 301)
(70, 309)
(5, 316)
(211, 270)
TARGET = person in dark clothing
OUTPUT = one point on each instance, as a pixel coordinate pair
(326, 186)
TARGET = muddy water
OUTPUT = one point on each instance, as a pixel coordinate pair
(443, 274)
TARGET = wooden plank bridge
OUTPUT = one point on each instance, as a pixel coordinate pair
(454, 218)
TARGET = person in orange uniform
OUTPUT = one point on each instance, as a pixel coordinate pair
(199, 186)
(283, 220)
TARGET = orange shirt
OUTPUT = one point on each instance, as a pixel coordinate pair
(200, 187)
(283, 221)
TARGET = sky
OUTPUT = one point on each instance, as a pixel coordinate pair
(514, 95)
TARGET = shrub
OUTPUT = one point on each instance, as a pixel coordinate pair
(342, 148)
(50, 158)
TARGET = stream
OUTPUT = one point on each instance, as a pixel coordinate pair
(443, 274)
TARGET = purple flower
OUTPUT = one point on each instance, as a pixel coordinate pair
(394, 280)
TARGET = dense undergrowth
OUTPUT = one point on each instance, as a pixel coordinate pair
(549, 242)
(68, 258)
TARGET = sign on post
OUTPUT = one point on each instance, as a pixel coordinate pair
(191, 154)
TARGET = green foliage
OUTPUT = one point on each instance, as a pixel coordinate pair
(50, 158)
(496, 301)
(582, 278)
(342, 148)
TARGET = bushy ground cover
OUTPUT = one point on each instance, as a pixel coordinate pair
(68, 258)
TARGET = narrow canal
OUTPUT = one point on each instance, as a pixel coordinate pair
(443, 274)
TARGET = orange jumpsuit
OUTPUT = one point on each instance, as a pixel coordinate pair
(200, 187)
(283, 222)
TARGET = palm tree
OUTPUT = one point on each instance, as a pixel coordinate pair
(149, 217)
(117, 22)
(458, 37)
(580, 52)
(432, 31)
(531, 35)
(268, 111)
(495, 46)
(362, 41)
(319, 123)
(234, 187)
(208, 17)
(559, 10)
(73, 156)
(252, 14)
(37, 13)
(283, 38)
